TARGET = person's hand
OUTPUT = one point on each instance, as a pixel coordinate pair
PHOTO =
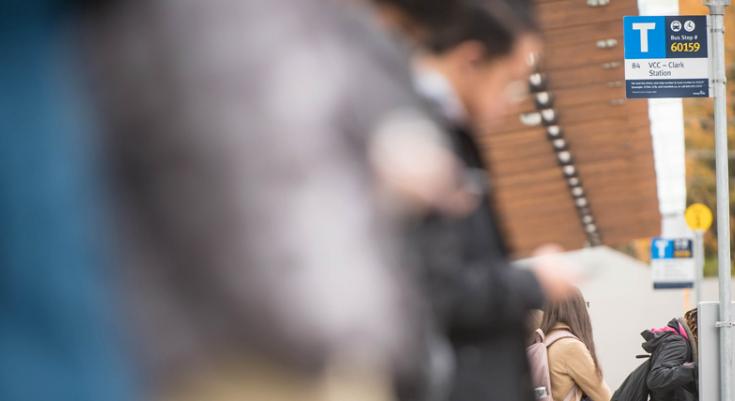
(556, 276)
(693, 367)
(414, 168)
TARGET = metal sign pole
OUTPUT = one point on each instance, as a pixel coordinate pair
(717, 13)
(699, 264)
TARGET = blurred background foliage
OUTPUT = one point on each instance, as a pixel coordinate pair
(699, 131)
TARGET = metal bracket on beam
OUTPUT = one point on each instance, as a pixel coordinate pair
(717, 3)
(607, 43)
(597, 3)
(717, 7)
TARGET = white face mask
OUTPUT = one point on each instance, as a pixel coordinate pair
(434, 86)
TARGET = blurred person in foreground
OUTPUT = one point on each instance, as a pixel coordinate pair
(61, 336)
(471, 64)
(251, 144)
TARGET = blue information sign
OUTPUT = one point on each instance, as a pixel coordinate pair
(666, 56)
(672, 263)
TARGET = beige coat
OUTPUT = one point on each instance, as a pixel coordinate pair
(570, 363)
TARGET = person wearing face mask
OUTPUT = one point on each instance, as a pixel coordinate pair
(470, 56)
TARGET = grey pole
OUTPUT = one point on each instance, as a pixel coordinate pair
(717, 13)
(699, 264)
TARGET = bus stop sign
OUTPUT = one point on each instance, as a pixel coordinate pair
(672, 263)
(666, 57)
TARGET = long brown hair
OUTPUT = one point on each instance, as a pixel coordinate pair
(572, 312)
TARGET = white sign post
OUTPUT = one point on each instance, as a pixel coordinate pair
(724, 263)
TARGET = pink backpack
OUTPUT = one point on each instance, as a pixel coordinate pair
(538, 356)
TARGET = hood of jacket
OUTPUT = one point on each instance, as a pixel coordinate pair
(692, 341)
(654, 337)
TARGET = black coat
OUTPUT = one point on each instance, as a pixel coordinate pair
(634, 387)
(479, 300)
(672, 376)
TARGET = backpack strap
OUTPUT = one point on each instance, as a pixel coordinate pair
(538, 336)
(557, 335)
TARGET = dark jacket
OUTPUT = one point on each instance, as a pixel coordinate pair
(634, 387)
(475, 292)
(479, 300)
(487, 328)
(673, 375)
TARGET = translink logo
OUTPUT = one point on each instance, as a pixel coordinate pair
(645, 37)
(644, 27)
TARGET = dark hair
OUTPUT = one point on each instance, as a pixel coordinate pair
(494, 23)
(572, 312)
(429, 14)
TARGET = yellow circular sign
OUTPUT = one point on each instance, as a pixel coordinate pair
(699, 217)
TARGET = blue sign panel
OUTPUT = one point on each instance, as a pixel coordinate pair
(647, 39)
(672, 262)
(666, 56)
(662, 248)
